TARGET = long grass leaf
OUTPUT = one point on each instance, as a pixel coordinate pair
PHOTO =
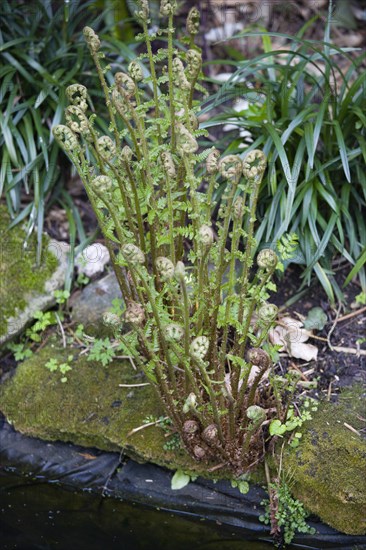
(342, 149)
(324, 281)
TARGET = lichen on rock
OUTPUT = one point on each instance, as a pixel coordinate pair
(329, 467)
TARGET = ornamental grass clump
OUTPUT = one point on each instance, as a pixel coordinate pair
(196, 315)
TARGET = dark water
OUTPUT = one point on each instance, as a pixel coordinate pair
(40, 516)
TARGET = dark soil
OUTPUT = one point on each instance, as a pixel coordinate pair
(333, 369)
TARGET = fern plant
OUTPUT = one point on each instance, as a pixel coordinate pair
(196, 328)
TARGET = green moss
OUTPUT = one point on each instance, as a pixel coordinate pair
(329, 467)
(90, 409)
(19, 272)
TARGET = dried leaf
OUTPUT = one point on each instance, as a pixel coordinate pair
(307, 352)
(292, 337)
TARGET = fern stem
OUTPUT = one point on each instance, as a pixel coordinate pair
(156, 315)
(107, 98)
(211, 394)
(171, 81)
(243, 287)
(171, 220)
(153, 76)
(140, 220)
(220, 269)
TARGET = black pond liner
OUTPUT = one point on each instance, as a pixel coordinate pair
(114, 476)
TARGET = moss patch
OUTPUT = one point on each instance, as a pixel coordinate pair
(90, 409)
(19, 273)
(329, 467)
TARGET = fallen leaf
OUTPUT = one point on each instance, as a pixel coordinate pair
(291, 336)
(307, 352)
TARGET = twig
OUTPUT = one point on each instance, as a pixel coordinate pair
(341, 349)
(295, 367)
(129, 357)
(333, 327)
(353, 351)
(352, 314)
(62, 330)
(217, 467)
(318, 338)
(113, 471)
(351, 428)
(329, 392)
(148, 425)
(133, 385)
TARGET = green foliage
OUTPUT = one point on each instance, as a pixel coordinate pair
(241, 484)
(181, 479)
(117, 306)
(361, 298)
(43, 321)
(82, 280)
(102, 351)
(20, 350)
(61, 296)
(53, 365)
(293, 421)
(307, 114)
(189, 317)
(290, 514)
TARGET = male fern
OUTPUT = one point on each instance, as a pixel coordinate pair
(195, 327)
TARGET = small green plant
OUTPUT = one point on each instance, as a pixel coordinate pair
(102, 351)
(292, 421)
(61, 296)
(20, 350)
(361, 298)
(181, 479)
(82, 280)
(241, 484)
(195, 325)
(287, 515)
(43, 321)
(53, 365)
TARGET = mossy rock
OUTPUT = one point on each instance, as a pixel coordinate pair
(329, 467)
(27, 282)
(90, 408)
